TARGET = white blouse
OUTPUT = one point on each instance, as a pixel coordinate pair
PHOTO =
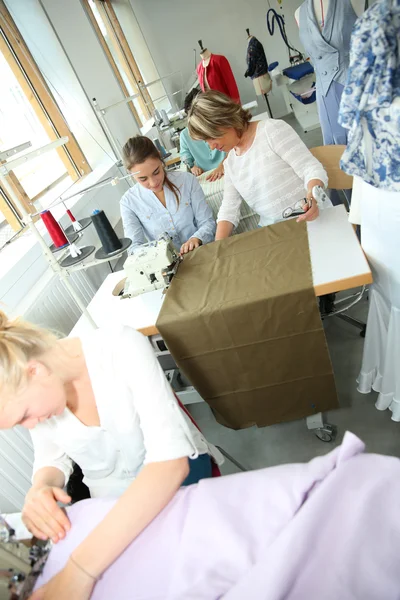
(140, 419)
(270, 176)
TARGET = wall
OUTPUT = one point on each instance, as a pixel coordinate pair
(172, 29)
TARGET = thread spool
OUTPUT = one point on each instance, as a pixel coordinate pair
(75, 224)
(56, 233)
(108, 238)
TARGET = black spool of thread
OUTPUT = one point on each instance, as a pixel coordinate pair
(108, 238)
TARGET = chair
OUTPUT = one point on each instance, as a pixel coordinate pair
(329, 157)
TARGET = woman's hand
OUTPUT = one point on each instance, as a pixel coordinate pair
(311, 210)
(190, 245)
(70, 583)
(216, 174)
(196, 171)
(41, 514)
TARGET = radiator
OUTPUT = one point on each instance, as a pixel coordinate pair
(16, 459)
(49, 304)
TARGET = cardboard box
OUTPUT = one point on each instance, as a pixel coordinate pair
(242, 322)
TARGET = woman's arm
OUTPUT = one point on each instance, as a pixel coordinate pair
(285, 142)
(185, 154)
(229, 212)
(203, 217)
(51, 470)
(132, 226)
(146, 497)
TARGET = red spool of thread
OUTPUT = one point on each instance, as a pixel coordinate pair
(56, 233)
(71, 216)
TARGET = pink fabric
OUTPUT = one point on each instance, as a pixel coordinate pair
(327, 529)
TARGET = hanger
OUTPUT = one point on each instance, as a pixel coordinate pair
(248, 32)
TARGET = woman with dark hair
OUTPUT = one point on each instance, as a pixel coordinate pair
(173, 203)
(197, 154)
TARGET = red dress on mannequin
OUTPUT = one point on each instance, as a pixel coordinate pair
(218, 75)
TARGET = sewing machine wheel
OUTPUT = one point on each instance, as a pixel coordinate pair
(327, 433)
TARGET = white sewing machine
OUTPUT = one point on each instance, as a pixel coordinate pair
(151, 267)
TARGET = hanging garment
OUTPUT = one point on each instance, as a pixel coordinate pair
(380, 227)
(329, 53)
(370, 107)
(218, 75)
(257, 64)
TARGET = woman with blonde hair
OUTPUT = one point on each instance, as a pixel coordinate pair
(163, 202)
(268, 165)
(103, 402)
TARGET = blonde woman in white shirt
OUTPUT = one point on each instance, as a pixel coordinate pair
(268, 165)
(104, 402)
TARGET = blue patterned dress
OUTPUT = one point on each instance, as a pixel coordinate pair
(370, 106)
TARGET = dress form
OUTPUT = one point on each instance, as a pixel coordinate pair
(323, 5)
(205, 57)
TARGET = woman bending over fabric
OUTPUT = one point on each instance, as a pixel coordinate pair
(173, 203)
(196, 153)
(103, 402)
(268, 165)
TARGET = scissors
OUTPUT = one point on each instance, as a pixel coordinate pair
(297, 210)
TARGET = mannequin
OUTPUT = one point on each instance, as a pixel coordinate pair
(325, 31)
(358, 7)
(214, 72)
(370, 110)
(257, 68)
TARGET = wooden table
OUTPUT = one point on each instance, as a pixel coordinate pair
(337, 260)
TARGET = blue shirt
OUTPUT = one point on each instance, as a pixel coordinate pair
(144, 217)
(199, 153)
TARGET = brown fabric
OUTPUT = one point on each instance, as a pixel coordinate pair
(241, 320)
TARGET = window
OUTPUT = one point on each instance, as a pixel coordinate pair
(132, 79)
(29, 119)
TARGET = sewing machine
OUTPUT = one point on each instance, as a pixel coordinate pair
(21, 579)
(151, 267)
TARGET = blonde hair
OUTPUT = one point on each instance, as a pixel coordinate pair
(212, 112)
(19, 343)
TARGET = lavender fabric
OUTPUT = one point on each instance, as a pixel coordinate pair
(327, 529)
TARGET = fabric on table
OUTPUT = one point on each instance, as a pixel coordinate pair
(327, 529)
(232, 322)
(199, 153)
(380, 237)
(144, 217)
(214, 193)
(219, 77)
(370, 107)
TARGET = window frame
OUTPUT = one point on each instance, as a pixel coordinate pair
(125, 55)
(31, 80)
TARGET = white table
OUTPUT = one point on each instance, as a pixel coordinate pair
(337, 260)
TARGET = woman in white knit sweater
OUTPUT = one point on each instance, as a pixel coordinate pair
(268, 165)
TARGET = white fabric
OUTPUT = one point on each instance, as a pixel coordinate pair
(380, 233)
(140, 420)
(355, 205)
(271, 176)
